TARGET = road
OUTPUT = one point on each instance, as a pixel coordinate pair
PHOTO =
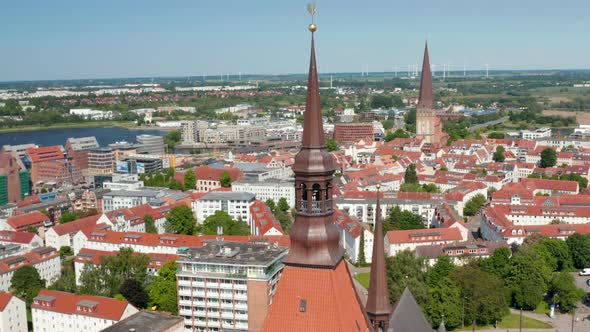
(489, 123)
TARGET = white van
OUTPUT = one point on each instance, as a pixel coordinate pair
(585, 272)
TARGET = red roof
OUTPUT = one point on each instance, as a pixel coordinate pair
(31, 258)
(208, 173)
(331, 302)
(16, 237)
(4, 299)
(76, 225)
(67, 303)
(424, 235)
(45, 153)
(263, 218)
(23, 221)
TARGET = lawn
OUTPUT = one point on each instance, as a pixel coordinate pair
(363, 278)
(512, 321)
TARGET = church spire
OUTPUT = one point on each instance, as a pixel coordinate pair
(314, 237)
(426, 98)
(378, 307)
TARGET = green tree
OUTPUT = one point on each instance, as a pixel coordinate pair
(444, 299)
(331, 144)
(67, 279)
(225, 179)
(150, 225)
(407, 270)
(230, 226)
(283, 205)
(180, 220)
(285, 220)
(527, 278)
(173, 138)
(499, 154)
(190, 180)
(564, 291)
(440, 270)
(402, 220)
(548, 158)
(482, 293)
(175, 184)
(271, 204)
(411, 176)
(474, 204)
(162, 290)
(496, 135)
(498, 263)
(26, 283)
(135, 293)
(67, 216)
(560, 251)
(362, 261)
(579, 246)
(387, 124)
(66, 251)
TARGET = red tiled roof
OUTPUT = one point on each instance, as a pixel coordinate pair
(424, 235)
(263, 218)
(67, 303)
(16, 237)
(207, 173)
(45, 153)
(31, 258)
(331, 302)
(4, 299)
(348, 223)
(76, 225)
(24, 220)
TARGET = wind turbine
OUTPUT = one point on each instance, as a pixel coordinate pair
(487, 70)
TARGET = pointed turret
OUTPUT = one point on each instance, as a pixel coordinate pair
(378, 307)
(426, 98)
(313, 129)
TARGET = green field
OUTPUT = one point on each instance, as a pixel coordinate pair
(363, 278)
(121, 124)
(512, 321)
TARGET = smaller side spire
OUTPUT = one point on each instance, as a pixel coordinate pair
(426, 97)
(378, 307)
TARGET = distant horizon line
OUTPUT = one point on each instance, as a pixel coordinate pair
(400, 73)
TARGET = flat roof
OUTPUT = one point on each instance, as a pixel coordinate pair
(228, 195)
(257, 252)
(146, 321)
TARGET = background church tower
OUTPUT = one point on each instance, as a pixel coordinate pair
(425, 114)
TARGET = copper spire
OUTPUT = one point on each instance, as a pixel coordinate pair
(314, 237)
(313, 129)
(426, 98)
(378, 307)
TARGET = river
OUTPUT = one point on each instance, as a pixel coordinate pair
(104, 135)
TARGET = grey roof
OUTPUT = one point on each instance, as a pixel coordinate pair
(148, 321)
(246, 167)
(407, 315)
(47, 298)
(137, 193)
(256, 252)
(87, 303)
(228, 195)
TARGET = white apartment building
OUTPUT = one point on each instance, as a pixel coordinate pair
(123, 199)
(62, 234)
(123, 185)
(270, 189)
(27, 240)
(67, 312)
(46, 260)
(536, 134)
(227, 285)
(13, 313)
(350, 236)
(236, 204)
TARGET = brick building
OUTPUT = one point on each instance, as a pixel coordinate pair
(352, 132)
(14, 179)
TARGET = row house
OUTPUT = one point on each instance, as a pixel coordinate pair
(26, 222)
(62, 234)
(67, 312)
(45, 259)
(398, 241)
(460, 253)
(26, 240)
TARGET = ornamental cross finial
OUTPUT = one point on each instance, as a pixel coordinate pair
(311, 8)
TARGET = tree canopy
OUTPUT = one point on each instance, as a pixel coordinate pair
(402, 220)
(331, 144)
(162, 290)
(548, 158)
(498, 155)
(150, 225)
(225, 179)
(411, 176)
(67, 216)
(230, 226)
(180, 220)
(190, 180)
(26, 283)
(474, 204)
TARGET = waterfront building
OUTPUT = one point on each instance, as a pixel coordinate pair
(150, 144)
(227, 285)
(101, 161)
(20, 149)
(14, 179)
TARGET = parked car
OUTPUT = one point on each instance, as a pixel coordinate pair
(585, 272)
(588, 282)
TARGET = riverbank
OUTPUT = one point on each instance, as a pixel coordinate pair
(93, 124)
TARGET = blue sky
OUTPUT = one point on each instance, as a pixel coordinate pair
(61, 39)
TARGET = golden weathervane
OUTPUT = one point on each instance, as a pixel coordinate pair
(311, 6)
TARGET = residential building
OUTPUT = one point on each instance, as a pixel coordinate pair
(193, 131)
(62, 234)
(460, 253)
(351, 231)
(262, 221)
(142, 163)
(13, 313)
(49, 164)
(208, 177)
(78, 150)
(269, 189)
(398, 241)
(45, 259)
(536, 134)
(352, 132)
(227, 285)
(67, 312)
(20, 150)
(27, 240)
(122, 199)
(28, 221)
(236, 204)
(150, 144)
(152, 321)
